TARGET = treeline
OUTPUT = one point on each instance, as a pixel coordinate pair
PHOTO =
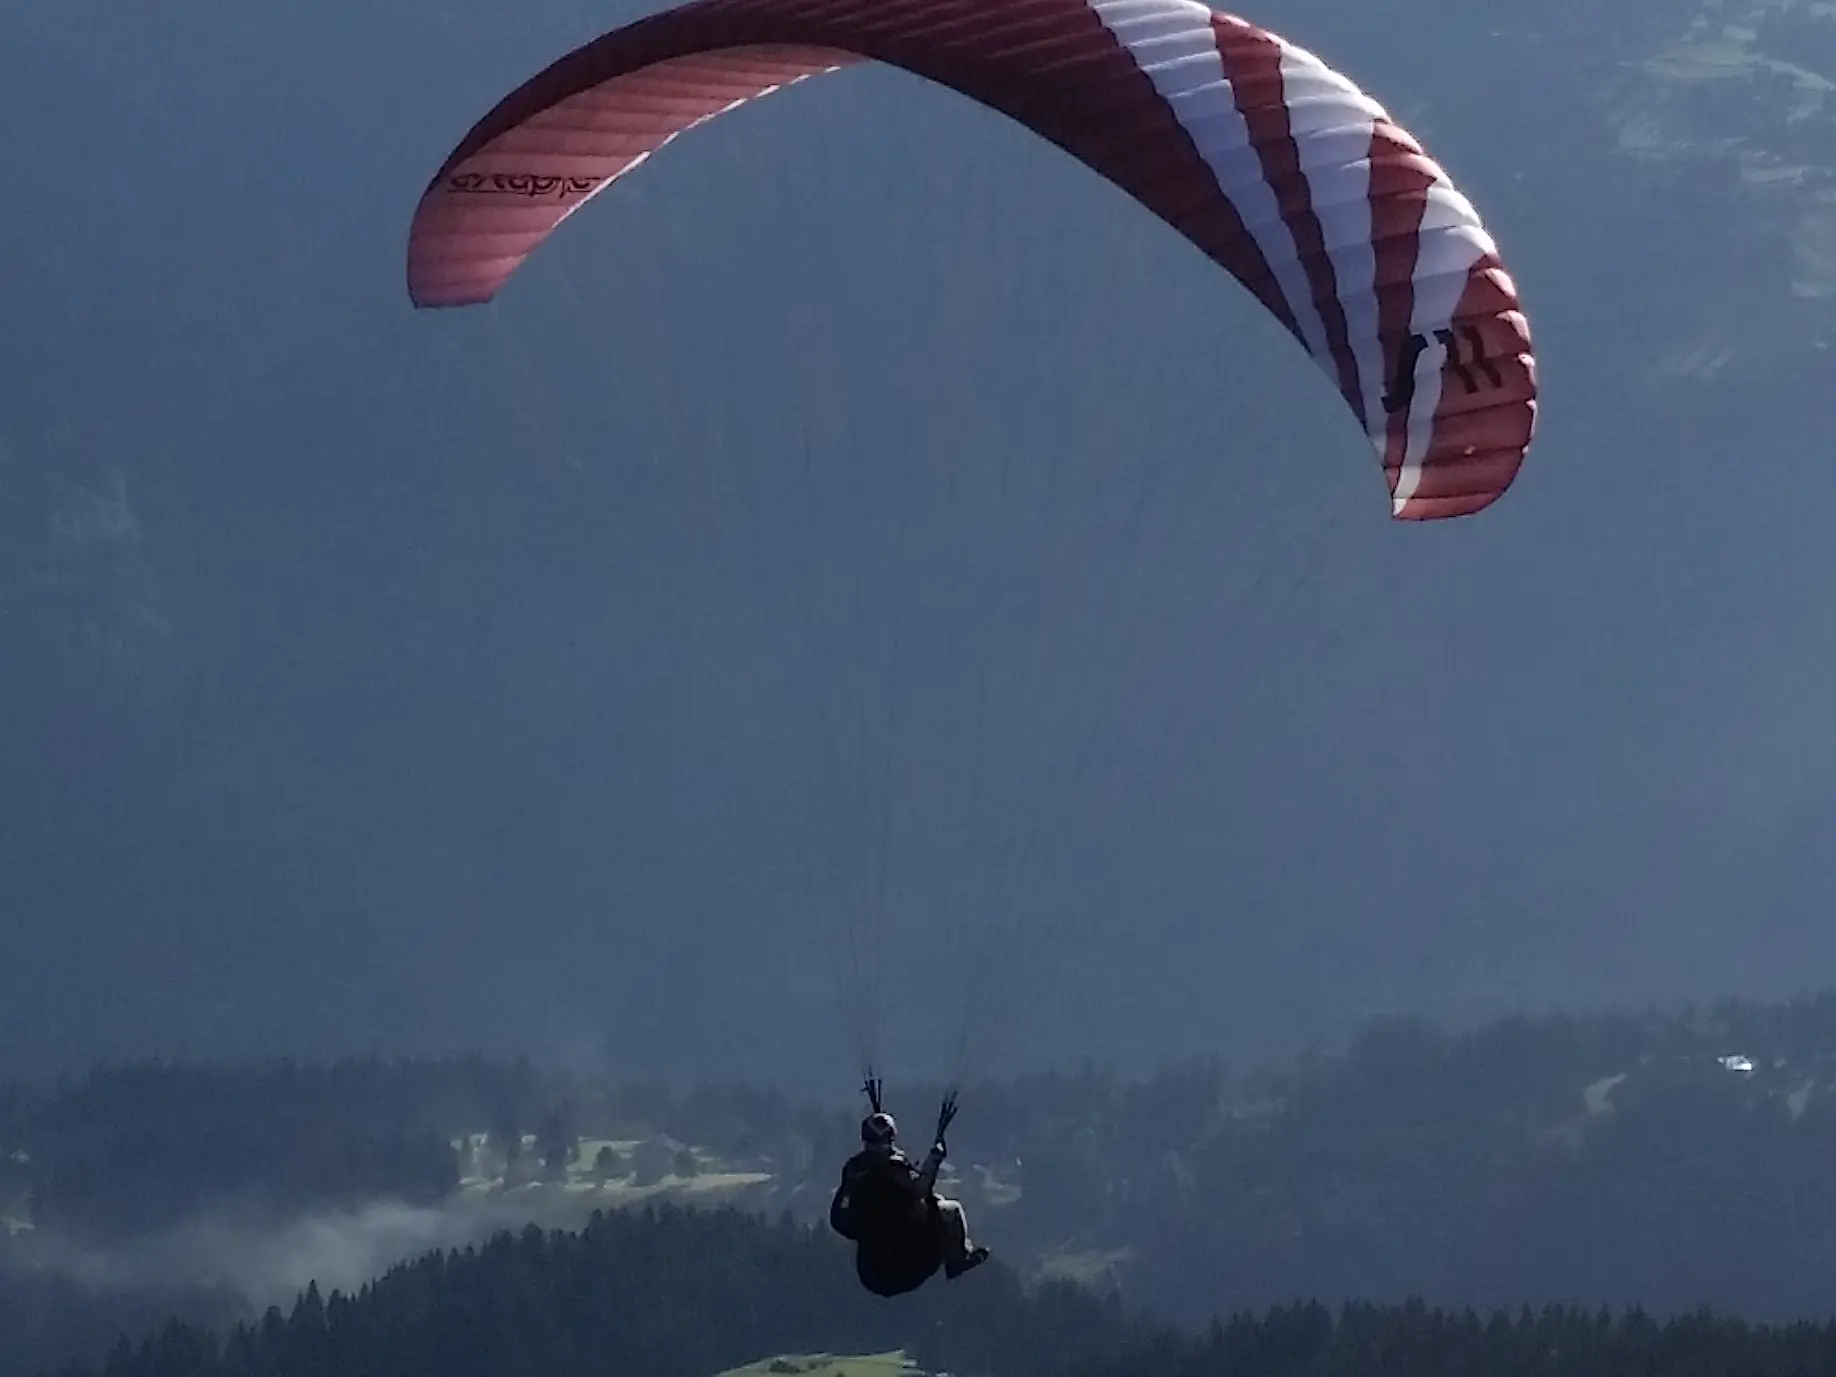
(679, 1294)
(1410, 1339)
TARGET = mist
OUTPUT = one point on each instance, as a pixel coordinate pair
(272, 1261)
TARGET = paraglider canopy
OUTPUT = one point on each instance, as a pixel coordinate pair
(1275, 165)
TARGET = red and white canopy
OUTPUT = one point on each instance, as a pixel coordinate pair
(1273, 164)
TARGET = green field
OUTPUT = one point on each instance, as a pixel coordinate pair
(710, 1177)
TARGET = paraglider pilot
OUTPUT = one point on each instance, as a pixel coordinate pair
(903, 1231)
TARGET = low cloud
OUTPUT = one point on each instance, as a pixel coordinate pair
(269, 1262)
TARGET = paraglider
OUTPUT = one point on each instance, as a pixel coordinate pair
(888, 1207)
(1275, 166)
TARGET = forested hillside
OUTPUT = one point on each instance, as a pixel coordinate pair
(682, 1295)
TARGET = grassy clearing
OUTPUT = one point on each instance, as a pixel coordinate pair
(1087, 1267)
(637, 1171)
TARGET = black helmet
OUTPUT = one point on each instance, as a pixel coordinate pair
(878, 1129)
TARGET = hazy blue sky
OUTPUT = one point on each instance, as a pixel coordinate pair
(863, 496)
